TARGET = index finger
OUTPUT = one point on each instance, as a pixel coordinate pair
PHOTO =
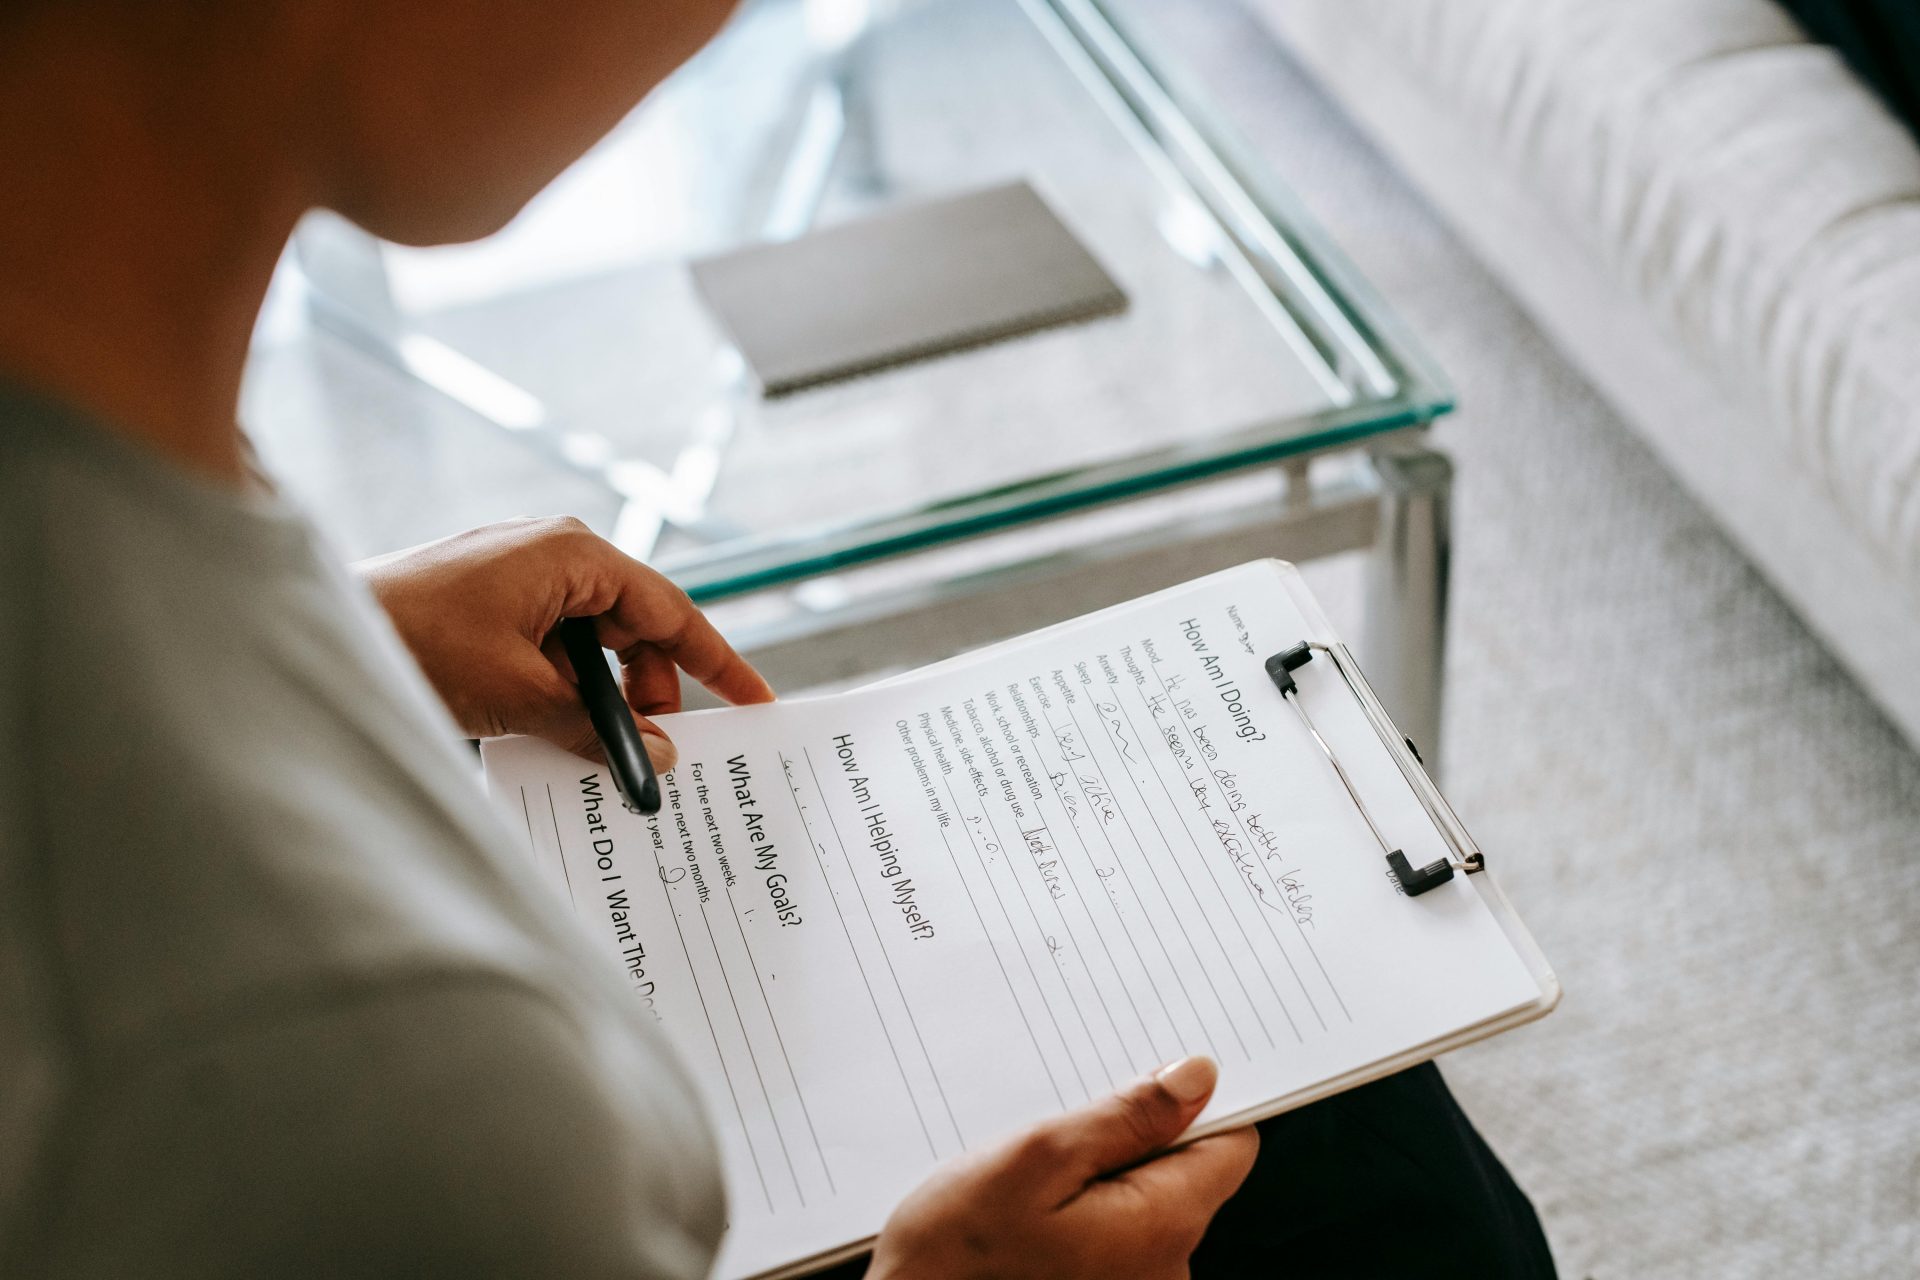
(1185, 1187)
(648, 610)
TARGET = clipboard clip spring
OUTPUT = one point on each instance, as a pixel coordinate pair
(1413, 880)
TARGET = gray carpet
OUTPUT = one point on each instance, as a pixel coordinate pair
(1713, 833)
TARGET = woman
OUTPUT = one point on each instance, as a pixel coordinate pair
(276, 996)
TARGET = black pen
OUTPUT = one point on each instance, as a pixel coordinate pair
(632, 768)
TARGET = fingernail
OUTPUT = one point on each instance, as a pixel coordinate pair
(1188, 1080)
(662, 752)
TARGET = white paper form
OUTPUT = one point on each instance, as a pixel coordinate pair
(889, 926)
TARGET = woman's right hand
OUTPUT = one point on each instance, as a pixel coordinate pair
(1070, 1197)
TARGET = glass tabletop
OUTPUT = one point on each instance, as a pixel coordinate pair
(570, 364)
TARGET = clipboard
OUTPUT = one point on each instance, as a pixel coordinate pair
(1332, 670)
(1270, 645)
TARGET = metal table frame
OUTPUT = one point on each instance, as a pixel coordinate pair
(1393, 501)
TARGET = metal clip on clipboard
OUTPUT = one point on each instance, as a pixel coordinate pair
(1466, 856)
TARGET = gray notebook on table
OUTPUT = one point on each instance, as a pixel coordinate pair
(902, 285)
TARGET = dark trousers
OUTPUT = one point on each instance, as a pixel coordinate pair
(1387, 1180)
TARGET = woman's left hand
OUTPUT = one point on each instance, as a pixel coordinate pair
(479, 611)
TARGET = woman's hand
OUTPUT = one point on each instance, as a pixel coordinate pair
(479, 611)
(1070, 1198)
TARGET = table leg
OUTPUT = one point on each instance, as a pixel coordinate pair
(1404, 638)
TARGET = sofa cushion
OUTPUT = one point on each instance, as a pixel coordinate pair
(1881, 41)
(1758, 197)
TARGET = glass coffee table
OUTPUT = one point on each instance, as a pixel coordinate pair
(1254, 398)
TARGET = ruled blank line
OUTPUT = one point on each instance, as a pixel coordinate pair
(847, 860)
(1078, 950)
(799, 811)
(1145, 910)
(1031, 860)
(1120, 703)
(1126, 987)
(1214, 875)
(1133, 833)
(1121, 866)
(1276, 889)
(713, 1035)
(800, 1095)
(1024, 957)
(752, 1056)
(559, 850)
(995, 948)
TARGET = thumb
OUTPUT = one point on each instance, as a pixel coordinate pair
(1127, 1127)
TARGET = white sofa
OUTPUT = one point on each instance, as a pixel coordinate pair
(1720, 225)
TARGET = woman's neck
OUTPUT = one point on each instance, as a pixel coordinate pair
(138, 234)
